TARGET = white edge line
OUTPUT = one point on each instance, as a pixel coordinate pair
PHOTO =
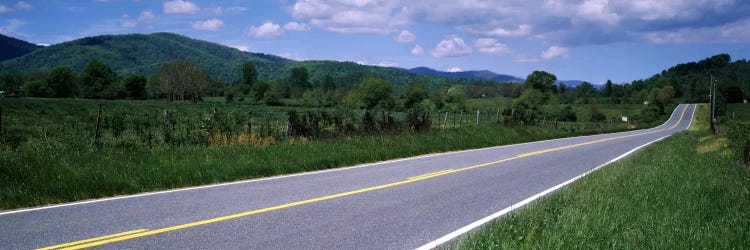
(22, 210)
(468, 228)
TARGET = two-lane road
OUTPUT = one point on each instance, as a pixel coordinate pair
(398, 204)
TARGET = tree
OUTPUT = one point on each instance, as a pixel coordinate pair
(585, 89)
(249, 74)
(562, 88)
(135, 87)
(540, 80)
(374, 92)
(61, 82)
(328, 83)
(415, 93)
(11, 83)
(608, 89)
(183, 81)
(95, 79)
(299, 79)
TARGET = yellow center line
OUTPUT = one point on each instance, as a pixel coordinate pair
(92, 239)
(144, 232)
(431, 174)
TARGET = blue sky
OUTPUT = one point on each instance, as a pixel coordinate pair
(594, 40)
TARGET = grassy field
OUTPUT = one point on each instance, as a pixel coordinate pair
(47, 153)
(685, 192)
(741, 111)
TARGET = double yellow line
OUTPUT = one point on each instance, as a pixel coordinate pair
(98, 241)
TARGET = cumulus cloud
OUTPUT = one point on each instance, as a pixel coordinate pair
(353, 16)
(23, 6)
(554, 51)
(11, 26)
(146, 15)
(180, 7)
(209, 25)
(405, 37)
(266, 30)
(491, 46)
(387, 64)
(17, 6)
(562, 22)
(454, 69)
(295, 26)
(243, 48)
(452, 46)
(417, 50)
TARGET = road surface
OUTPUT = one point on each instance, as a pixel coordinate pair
(402, 204)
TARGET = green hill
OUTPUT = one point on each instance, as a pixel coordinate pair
(145, 53)
(12, 47)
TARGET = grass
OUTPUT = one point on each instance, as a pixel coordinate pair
(685, 192)
(47, 155)
(741, 111)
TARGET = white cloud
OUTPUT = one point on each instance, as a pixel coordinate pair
(129, 23)
(452, 46)
(521, 31)
(491, 46)
(266, 30)
(525, 59)
(210, 24)
(387, 64)
(180, 7)
(146, 15)
(561, 22)
(417, 50)
(405, 37)
(18, 6)
(23, 6)
(353, 16)
(454, 69)
(243, 48)
(554, 51)
(11, 26)
(295, 26)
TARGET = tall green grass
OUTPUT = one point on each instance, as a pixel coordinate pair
(47, 153)
(686, 192)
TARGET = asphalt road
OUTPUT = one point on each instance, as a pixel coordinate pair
(401, 204)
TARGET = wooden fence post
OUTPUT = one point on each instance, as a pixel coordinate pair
(249, 121)
(1, 122)
(98, 123)
(445, 120)
(477, 117)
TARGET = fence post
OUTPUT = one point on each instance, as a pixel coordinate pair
(445, 120)
(98, 123)
(249, 121)
(497, 116)
(1, 122)
(477, 117)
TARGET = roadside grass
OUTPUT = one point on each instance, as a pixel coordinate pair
(47, 154)
(47, 171)
(686, 192)
(741, 111)
(702, 118)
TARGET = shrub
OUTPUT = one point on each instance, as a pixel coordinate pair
(738, 134)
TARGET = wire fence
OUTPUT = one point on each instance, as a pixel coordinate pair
(121, 127)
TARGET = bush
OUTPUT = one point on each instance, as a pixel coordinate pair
(738, 134)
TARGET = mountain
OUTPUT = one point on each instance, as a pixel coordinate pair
(481, 74)
(144, 54)
(12, 47)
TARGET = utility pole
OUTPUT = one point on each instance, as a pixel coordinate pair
(712, 100)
